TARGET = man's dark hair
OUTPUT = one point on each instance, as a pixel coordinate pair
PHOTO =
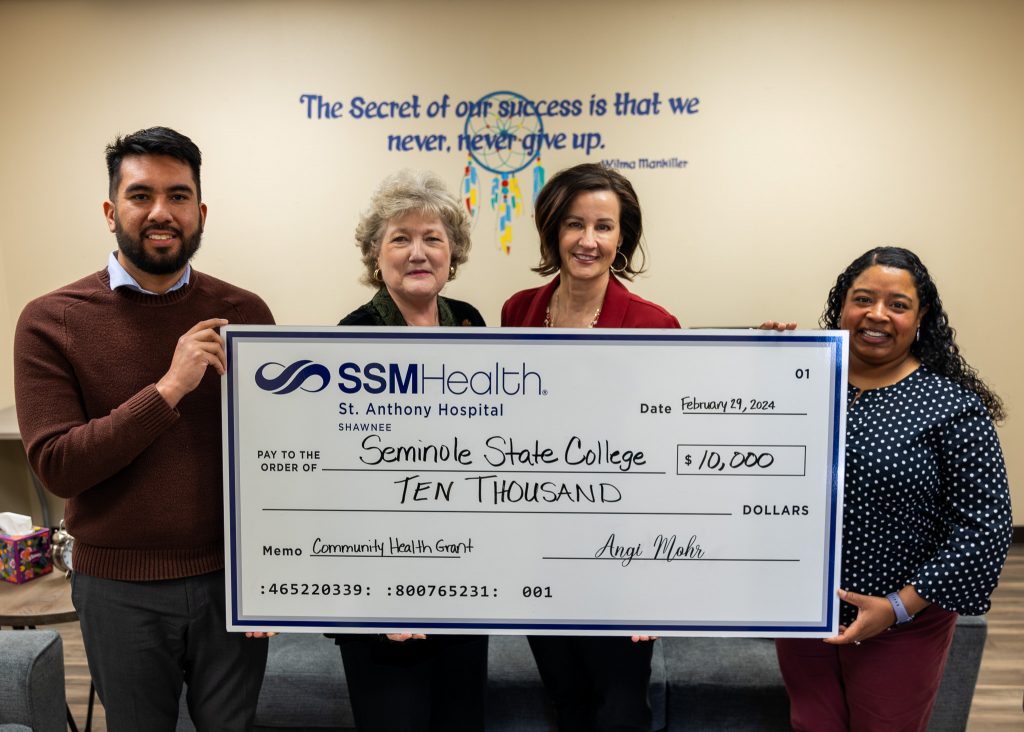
(152, 141)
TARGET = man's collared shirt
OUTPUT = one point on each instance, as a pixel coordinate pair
(119, 277)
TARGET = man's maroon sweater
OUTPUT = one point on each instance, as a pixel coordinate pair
(143, 481)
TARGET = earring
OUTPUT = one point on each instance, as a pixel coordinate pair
(917, 337)
(625, 262)
(376, 275)
(451, 272)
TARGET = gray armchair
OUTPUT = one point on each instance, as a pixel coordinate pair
(32, 681)
(696, 684)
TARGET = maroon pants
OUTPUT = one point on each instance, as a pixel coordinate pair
(886, 684)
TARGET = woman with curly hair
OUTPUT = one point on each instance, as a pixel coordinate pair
(413, 239)
(927, 520)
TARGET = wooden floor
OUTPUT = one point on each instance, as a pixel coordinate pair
(997, 699)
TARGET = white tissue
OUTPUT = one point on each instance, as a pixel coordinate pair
(14, 524)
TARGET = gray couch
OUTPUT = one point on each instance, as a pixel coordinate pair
(696, 684)
(32, 681)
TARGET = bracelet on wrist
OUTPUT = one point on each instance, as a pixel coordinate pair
(902, 616)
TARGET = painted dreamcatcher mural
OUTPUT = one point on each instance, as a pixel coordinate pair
(500, 127)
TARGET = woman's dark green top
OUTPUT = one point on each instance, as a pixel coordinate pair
(381, 310)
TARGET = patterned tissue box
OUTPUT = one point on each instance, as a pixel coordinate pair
(25, 557)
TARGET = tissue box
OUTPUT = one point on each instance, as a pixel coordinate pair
(25, 557)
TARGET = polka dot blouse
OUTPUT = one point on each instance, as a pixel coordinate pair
(926, 497)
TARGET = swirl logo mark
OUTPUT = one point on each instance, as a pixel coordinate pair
(293, 377)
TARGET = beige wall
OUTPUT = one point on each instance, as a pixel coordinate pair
(825, 128)
(6, 334)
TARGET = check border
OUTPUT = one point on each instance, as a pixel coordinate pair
(236, 334)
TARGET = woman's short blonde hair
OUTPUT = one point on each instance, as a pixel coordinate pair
(404, 192)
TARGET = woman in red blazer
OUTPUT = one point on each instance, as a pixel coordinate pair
(589, 222)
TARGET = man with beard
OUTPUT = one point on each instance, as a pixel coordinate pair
(118, 396)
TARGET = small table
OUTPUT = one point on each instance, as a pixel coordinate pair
(45, 600)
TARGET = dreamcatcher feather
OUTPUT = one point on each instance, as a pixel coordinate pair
(471, 189)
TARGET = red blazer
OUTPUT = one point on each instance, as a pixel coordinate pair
(621, 308)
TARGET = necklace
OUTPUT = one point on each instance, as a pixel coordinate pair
(550, 323)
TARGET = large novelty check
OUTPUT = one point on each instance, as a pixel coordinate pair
(534, 481)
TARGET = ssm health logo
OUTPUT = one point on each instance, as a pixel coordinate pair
(304, 374)
(401, 378)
